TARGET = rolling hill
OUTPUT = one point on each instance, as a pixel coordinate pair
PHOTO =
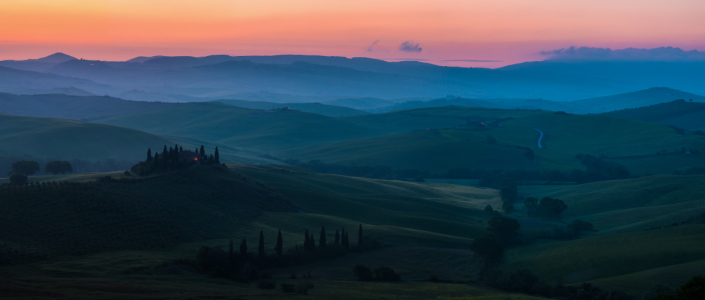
(67, 139)
(73, 107)
(631, 100)
(461, 134)
(316, 108)
(679, 113)
(241, 127)
(19, 80)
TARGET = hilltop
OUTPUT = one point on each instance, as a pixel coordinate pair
(316, 108)
(632, 100)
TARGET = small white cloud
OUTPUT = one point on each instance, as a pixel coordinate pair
(374, 47)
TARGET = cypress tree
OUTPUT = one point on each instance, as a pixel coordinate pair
(181, 149)
(149, 154)
(337, 237)
(243, 248)
(359, 237)
(322, 239)
(260, 249)
(280, 242)
(157, 163)
(345, 242)
(210, 160)
(307, 247)
(231, 254)
(217, 156)
(203, 153)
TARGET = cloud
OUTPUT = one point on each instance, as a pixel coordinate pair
(375, 48)
(474, 60)
(628, 54)
(409, 46)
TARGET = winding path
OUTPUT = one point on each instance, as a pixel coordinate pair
(540, 137)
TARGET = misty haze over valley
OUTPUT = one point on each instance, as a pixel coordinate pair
(141, 168)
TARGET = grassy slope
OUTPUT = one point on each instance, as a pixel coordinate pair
(629, 205)
(398, 211)
(66, 139)
(603, 257)
(242, 127)
(196, 204)
(316, 108)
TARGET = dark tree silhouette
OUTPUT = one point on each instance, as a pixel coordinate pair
(231, 253)
(260, 249)
(322, 238)
(243, 248)
(26, 167)
(203, 153)
(217, 156)
(503, 227)
(279, 248)
(359, 236)
(18, 179)
(337, 237)
(489, 247)
(149, 154)
(307, 247)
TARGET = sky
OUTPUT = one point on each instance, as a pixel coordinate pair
(469, 33)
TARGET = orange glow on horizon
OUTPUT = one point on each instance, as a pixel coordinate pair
(507, 30)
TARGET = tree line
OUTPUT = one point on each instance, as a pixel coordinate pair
(19, 170)
(174, 159)
(244, 264)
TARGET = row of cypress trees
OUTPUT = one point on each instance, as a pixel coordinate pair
(169, 158)
(341, 239)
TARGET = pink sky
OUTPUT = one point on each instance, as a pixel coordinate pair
(447, 31)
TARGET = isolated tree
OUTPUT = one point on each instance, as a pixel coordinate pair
(531, 203)
(503, 227)
(217, 156)
(149, 154)
(18, 179)
(260, 249)
(307, 247)
(488, 247)
(337, 237)
(344, 240)
(363, 273)
(279, 248)
(322, 238)
(26, 167)
(231, 254)
(359, 236)
(489, 210)
(203, 153)
(243, 248)
(550, 208)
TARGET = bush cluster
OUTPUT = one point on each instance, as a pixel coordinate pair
(365, 273)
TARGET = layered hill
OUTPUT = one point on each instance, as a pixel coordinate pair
(680, 113)
(458, 136)
(73, 107)
(68, 139)
(316, 108)
(241, 127)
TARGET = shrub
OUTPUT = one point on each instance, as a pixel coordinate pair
(288, 288)
(18, 179)
(303, 287)
(386, 274)
(488, 247)
(363, 273)
(267, 285)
